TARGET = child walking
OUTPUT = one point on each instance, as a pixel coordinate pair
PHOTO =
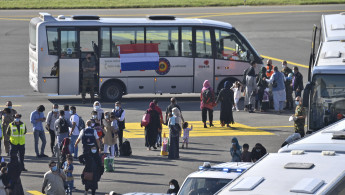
(237, 88)
(68, 169)
(186, 131)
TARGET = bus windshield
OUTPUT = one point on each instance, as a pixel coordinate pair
(327, 102)
(203, 186)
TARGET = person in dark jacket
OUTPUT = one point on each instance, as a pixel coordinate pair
(257, 152)
(173, 187)
(262, 85)
(14, 170)
(226, 97)
(93, 166)
(297, 82)
(151, 130)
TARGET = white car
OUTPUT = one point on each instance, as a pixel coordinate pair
(209, 179)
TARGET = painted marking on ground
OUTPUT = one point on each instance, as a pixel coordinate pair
(289, 62)
(3, 106)
(133, 130)
(35, 192)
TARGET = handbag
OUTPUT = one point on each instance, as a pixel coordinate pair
(88, 176)
(146, 119)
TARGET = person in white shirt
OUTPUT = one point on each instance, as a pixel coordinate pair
(74, 131)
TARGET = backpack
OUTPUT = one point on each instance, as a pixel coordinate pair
(146, 119)
(207, 96)
(63, 125)
(81, 124)
(125, 149)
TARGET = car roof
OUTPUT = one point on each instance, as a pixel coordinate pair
(320, 140)
(269, 175)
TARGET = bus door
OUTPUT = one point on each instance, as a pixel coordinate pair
(68, 62)
(89, 45)
(204, 61)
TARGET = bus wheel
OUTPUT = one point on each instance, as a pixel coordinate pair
(112, 91)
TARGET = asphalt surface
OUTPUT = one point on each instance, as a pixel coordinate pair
(283, 33)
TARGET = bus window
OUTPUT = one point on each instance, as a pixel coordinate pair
(167, 37)
(129, 35)
(187, 44)
(105, 39)
(69, 44)
(230, 47)
(86, 39)
(203, 44)
(52, 36)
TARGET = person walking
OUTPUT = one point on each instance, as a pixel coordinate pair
(93, 170)
(53, 182)
(175, 125)
(288, 88)
(100, 112)
(37, 118)
(14, 171)
(262, 85)
(297, 82)
(207, 103)
(89, 71)
(278, 89)
(226, 97)
(51, 118)
(151, 130)
(61, 127)
(159, 110)
(235, 150)
(250, 87)
(173, 104)
(110, 134)
(173, 187)
(7, 118)
(299, 117)
(74, 131)
(16, 132)
(120, 117)
(89, 138)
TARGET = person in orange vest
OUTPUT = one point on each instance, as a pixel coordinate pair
(269, 68)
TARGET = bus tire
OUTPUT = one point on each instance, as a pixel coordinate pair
(112, 91)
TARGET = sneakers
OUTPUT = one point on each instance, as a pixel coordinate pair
(237, 110)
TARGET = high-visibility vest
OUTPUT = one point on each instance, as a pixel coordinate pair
(17, 137)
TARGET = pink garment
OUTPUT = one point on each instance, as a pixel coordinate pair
(209, 105)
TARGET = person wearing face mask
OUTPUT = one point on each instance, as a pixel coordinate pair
(110, 133)
(297, 82)
(89, 70)
(93, 170)
(89, 138)
(173, 187)
(173, 104)
(100, 112)
(74, 130)
(235, 150)
(288, 89)
(16, 131)
(37, 118)
(299, 117)
(7, 118)
(53, 182)
(51, 118)
(120, 117)
(61, 127)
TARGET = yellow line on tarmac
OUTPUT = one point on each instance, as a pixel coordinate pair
(272, 127)
(14, 19)
(35, 192)
(133, 130)
(289, 62)
(2, 106)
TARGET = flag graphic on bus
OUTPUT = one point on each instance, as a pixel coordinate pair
(142, 56)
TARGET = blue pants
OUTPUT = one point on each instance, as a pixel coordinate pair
(39, 135)
(73, 149)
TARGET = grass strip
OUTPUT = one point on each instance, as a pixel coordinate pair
(95, 4)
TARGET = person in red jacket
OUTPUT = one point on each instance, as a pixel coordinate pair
(207, 103)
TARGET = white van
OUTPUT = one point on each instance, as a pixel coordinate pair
(298, 173)
(321, 140)
(209, 179)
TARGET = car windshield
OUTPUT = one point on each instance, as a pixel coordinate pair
(202, 186)
(327, 102)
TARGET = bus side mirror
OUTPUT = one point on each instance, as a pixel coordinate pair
(306, 94)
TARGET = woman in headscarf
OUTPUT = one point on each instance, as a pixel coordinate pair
(14, 170)
(93, 168)
(173, 187)
(258, 151)
(151, 130)
(100, 113)
(262, 85)
(235, 150)
(226, 97)
(110, 134)
(207, 103)
(175, 125)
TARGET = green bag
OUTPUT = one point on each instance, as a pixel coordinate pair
(108, 164)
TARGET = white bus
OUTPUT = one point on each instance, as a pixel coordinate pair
(190, 51)
(324, 94)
